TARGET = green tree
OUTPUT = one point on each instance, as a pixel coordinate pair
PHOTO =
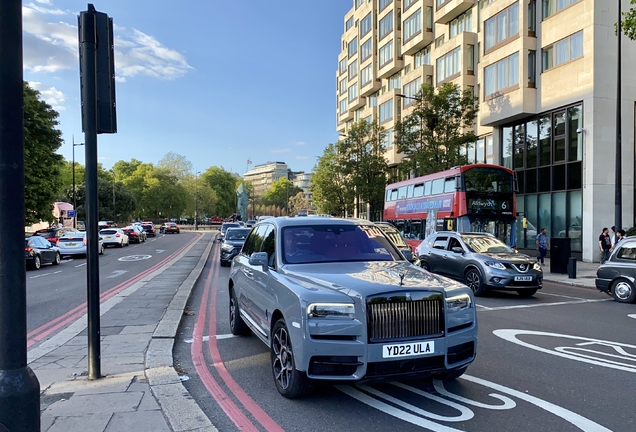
(298, 202)
(176, 165)
(199, 191)
(224, 185)
(441, 123)
(628, 23)
(121, 209)
(41, 163)
(364, 165)
(328, 186)
(279, 193)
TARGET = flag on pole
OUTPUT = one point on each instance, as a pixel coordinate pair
(249, 161)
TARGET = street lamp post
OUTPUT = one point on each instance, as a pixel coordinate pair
(618, 179)
(196, 200)
(74, 202)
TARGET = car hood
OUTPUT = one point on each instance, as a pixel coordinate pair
(506, 257)
(234, 243)
(366, 278)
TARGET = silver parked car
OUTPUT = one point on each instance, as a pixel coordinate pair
(334, 300)
(617, 276)
(482, 261)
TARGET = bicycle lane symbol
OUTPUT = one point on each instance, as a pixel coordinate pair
(410, 413)
(614, 355)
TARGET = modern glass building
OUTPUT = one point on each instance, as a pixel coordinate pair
(544, 73)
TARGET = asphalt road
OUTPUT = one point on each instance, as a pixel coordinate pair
(563, 360)
(56, 294)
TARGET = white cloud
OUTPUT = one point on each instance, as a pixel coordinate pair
(300, 143)
(51, 95)
(283, 150)
(302, 157)
(51, 46)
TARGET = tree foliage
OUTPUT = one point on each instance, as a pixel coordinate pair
(328, 186)
(121, 209)
(41, 163)
(297, 202)
(175, 165)
(441, 123)
(628, 23)
(224, 185)
(279, 193)
(362, 161)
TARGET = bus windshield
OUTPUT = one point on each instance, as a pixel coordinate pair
(487, 180)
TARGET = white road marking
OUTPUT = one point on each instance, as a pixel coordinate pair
(632, 316)
(83, 264)
(549, 304)
(511, 336)
(45, 274)
(160, 251)
(560, 295)
(207, 338)
(482, 306)
(117, 273)
(134, 258)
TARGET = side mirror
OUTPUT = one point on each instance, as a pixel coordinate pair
(259, 259)
(458, 250)
(408, 254)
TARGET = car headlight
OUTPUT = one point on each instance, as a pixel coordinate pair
(227, 247)
(336, 310)
(537, 266)
(495, 264)
(458, 303)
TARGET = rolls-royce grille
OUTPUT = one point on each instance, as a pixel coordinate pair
(399, 320)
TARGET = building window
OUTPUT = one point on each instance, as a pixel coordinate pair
(501, 75)
(470, 59)
(462, 23)
(395, 82)
(366, 25)
(353, 70)
(342, 86)
(407, 3)
(562, 51)
(412, 25)
(550, 7)
(349, 24)
(368, 119)
(502, 26)
(372, 100)
(532, 68)
(352, 47)
(359, 3)
(384, 3)
(353, 92)
(343, 66)
(448, 65)
(422, 57)
(386, 53)
(386, 25)
(490, 150)
(532, 18)
(410, 90)
(366, 75)
(387, 143)
(440, 41)
(386, 111)
(343, 106)
(366, 49)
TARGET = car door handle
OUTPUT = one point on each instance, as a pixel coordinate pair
(444, 256)
(248, 273)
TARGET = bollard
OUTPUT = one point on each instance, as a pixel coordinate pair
(572, 268)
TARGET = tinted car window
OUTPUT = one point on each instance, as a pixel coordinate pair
(237, 233)
(269, 242)
(628, 252)
(453, 242)
(108, 232)
(258, 240)
(440, 242)
(249, 245)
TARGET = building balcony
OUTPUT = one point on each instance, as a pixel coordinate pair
(371, 87)
(392, 66)
(419, 41)
(507, 105)
(356, 103)
(345, 116)
(447, 10)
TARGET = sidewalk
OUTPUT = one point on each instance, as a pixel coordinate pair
(585, 275)
(140, 389)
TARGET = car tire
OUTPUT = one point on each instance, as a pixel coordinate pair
(527, 292)
(101, 250)
(425, 266)
(37, 263)
(623, 291)
(57, 259)
(121, 245)
(290, 382)
(451, 374)
(237, 325)
(473, 279)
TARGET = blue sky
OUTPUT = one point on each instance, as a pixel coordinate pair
(219, 82)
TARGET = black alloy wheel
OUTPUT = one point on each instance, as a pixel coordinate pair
(37, 263)
(290, 382)
(237, 325)
(472, 278)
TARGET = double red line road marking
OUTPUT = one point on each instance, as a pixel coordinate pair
(43, 331)
(231, 409)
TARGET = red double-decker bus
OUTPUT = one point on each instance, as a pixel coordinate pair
(469, 198)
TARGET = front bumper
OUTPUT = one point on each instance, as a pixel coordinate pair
(227, 256)
(505, 279)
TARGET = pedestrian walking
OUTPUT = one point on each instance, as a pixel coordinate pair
(604, 244)
(542, 245)
(613, 238)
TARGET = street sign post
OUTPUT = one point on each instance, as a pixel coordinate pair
(71, 213)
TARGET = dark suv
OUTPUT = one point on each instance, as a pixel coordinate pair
(150, 229)
(481, 261)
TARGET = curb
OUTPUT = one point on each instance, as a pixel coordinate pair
(178, 407)
(569, 283)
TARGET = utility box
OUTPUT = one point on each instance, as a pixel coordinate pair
(559, 254)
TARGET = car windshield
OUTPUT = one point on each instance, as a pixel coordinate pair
(394, 235)
(45, 234)
(225, 227)
(484, 244)
(336, 243)
(237, 234)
